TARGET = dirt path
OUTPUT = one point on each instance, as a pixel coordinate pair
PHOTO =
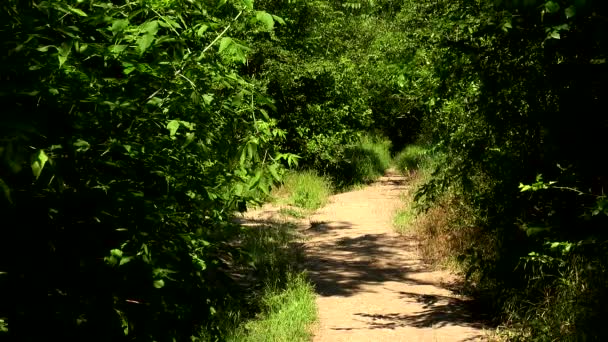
(371, 284)
(370, 281)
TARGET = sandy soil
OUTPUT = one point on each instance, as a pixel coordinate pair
(371, 283)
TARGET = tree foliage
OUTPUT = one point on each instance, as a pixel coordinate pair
(132, 130)
(515, 90)
(129, 139)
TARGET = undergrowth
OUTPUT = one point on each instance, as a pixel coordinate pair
(367, 160)
(287, 313)
(413, 157)
(551, 296)
(279, 304)
(303, 189)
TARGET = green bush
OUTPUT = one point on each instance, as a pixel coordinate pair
(363, 162)
(125, 148)
(412, 158)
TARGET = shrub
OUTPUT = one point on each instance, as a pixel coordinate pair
(411, 158)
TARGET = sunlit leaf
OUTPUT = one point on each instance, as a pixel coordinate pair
(119, 25)
(172, 126)
(145, 40)
(278, 19)
(248, 4)
(570, 12)
(81, 145)
(265, 18)
(39, 160)
(225, 42)
(77, 11)
(202, 30)
(552, 6)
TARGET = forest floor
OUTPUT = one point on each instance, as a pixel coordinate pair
(370, 281)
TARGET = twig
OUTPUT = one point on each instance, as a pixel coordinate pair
(222, 33)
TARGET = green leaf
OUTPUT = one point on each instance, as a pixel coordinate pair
(45, 48)
(64, 52)
(116, 49)
(125, 260)
(255, 180)
(552, 6)
(81, 145)
(224, 44)
(159, 284)
(119, 25)
(39, 160)
(172, 126)
(248, 4)
(116, 253)
(77, 11)
(531, 231)
(273, 172)
(143, 42)
(208, 98)
(265, 18)
(555, 35)
(124, 322)
(278, 19)
(6, 191)
(570, 12)
(202, 30)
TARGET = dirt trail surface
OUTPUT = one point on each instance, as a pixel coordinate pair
(370, 281)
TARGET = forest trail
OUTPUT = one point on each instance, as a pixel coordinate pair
(370, 281)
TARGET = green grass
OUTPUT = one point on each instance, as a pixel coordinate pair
(367, 160)
(287, 315)
(304, 189)
(292, 212)
(412, 158)
(402, 221)
(279, 301)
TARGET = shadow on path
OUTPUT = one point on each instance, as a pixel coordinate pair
(342, 266)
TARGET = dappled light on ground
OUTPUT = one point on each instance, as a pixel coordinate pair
(371, 283)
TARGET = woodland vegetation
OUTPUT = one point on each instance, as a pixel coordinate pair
(132, 131)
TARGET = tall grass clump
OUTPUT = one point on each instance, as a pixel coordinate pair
(277, 302)
(413, 157)
(287, 314)
(563, 299)
(304, 189)
(364, 161)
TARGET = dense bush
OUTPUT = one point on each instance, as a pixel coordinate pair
(129, 138)
(520, 129)
(133, 129)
